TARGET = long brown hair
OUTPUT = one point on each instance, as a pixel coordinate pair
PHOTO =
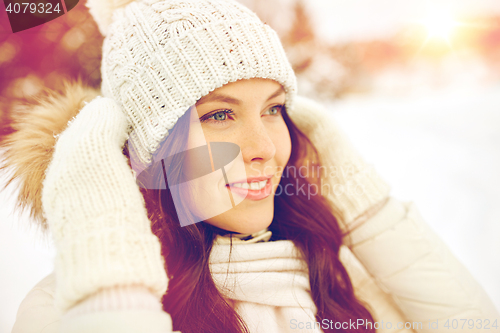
(192, 298)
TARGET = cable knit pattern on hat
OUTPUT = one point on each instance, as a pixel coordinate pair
(161, 57)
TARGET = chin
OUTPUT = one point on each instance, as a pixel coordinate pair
(246, 218)
(254, 227)
(246, 222)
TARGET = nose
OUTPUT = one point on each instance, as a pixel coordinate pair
(256, 143)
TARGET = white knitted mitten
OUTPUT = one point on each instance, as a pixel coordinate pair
(96, 212)
(350, 184)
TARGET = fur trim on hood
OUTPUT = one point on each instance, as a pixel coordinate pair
(27, 152)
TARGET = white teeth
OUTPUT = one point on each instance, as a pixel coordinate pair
(251, 186)
(255, 186)
(242, 185)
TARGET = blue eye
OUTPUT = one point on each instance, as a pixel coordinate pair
(274, 110)
(217, 117)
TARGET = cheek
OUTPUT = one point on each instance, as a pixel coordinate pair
(283, 144)
(196, 138)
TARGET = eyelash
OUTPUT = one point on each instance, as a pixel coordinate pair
(208, 117)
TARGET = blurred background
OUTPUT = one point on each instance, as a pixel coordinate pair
(415, 84)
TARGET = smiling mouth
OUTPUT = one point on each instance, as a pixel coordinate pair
(251, 186)
(255, 190)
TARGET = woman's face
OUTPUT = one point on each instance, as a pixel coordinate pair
(248, 114)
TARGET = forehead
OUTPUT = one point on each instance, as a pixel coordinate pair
(249, 89)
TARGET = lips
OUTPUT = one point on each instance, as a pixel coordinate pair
(253, 188)
(253, 179)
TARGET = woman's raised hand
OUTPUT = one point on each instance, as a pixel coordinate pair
(96, 212)
(351, 185)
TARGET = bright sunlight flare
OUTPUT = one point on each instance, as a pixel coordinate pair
(439, 23)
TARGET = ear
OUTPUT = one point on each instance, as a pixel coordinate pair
(28, 150)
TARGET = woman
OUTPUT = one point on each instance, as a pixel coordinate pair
(247, 239)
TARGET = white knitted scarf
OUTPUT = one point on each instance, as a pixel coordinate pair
(267, 282)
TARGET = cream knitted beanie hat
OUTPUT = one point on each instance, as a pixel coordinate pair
(160, 57)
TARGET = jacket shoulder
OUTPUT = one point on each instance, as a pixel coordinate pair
(37, 312)
(380, 303)
(409, 261)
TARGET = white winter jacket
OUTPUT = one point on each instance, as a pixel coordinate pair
(396, 263)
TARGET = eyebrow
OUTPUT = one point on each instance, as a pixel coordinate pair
(230, 100)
